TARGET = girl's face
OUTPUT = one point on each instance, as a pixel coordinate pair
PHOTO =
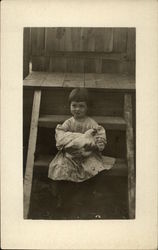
(78, 109)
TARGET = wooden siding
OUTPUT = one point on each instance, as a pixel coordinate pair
(98, 50)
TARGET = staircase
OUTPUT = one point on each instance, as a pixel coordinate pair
(112, 96)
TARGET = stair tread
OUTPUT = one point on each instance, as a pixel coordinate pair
(119, 169)
(110, 122)
(117, 82)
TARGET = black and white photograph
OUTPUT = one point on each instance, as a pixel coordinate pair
(79, 123)
(79, 119)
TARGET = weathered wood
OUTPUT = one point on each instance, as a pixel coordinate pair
(110, 66)
(54, 79)
(99, 39)
(68, 46)
(51, 42)
(73, 80)
(88, 54)
(120, 39)
(26, 51)
(98, 63)
(108, 40)
(89, 65)
(110, 82)
(35, 79)
(74, 65)
(130, 154)
(42, 162)
(76, 39)
(57, 64)
(89, 80)
(37, 41)
(50, 121)
(31, 150)
(131, 44)
(40, 63)
(90, 40)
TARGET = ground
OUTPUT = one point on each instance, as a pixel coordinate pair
(106, 199)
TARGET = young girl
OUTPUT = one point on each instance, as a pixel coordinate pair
(80, 141)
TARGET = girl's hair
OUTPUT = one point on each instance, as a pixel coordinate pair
(79, 95)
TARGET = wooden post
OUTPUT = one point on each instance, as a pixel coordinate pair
(26, 51)
(130, 154)
(31, 151)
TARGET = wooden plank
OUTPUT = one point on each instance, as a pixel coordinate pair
(91, 39)
(110, 66)
(40, 63)
(37, 41)
(75, 65)
(89, 54)
(109, 122)
(57, 64)
(42, 162)
(89, 65)
(131, 44)
(130, 154)
(108, 40)
(103, 80)
(120, 39)
(51, 43)
(60, 36)
(54, 80)
(74, 80)
(89, 80)
(76, 39)
(34, 75)
(31, 150)
(68, 41)
(98, 63)
(26, 51)
(111, 82)
(84, 41)
(34, 79)
(99, 39)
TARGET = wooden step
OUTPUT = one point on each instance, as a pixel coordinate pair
(42, 162)
(109, 122)
(105, 81)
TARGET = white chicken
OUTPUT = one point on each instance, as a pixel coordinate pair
(83, 144)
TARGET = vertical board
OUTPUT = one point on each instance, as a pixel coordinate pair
(98, 65)
(120, 39)
(40, 63)
(31, 151)
(89, 65)
(130, 154)
(54, 40)
(83, 39)
(37, 41)
(87, 39)
(26, 51)
(99, 39)
(110, 66)
(57, 64)
(68, 46)
(76, 39)
(108, 40)
(131, 43)
(75, 64)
